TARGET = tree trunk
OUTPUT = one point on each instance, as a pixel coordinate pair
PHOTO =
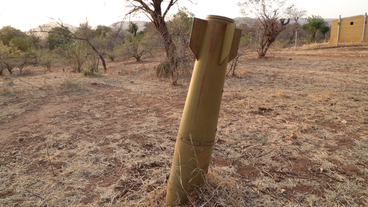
(314, 34)
(292, 36)
(9, 68)
(154, 10)
(169, 45)
(137, 57)
(295, 28)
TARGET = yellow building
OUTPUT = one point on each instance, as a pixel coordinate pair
(351, 29)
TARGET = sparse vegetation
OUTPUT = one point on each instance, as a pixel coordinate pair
(134, 44)
(291, 132)
(292, 127)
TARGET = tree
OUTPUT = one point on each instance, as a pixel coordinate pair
(45, 58)
(76, 54)
(324, 29)
(115, 39)
(133, 45)
(154, 11)
(118, 32)
(7, 33)
(313, 24)
(22, 51)
(83, 33)
(23, 58)
(270, 22)
(36, 41)
(5, 58)
(102, 31)
(105, 39)
(180, 26)
(23, 44)
(295, 14)
(133, 28)
(19, 50)
(58, 37)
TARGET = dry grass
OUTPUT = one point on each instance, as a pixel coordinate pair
(292, 132)
(329, 45)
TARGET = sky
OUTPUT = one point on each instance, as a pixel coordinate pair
(28, 14)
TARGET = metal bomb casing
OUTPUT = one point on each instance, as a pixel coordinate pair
(214, 42)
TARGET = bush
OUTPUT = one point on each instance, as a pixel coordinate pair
(92, 63)
(87, 73)
(45, 58)
(91, 74)
(72, 85)
(76, 55)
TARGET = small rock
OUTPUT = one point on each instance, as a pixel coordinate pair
(293, 136)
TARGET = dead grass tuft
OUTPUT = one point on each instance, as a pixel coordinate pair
(72, 85)
(8, 87)
(329, 45)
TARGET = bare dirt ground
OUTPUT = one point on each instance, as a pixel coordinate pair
(293, 131)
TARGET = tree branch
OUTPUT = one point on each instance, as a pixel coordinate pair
(172, 2)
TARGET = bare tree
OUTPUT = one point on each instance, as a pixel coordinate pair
(295, 14)
(270, 22)
(153, 9)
